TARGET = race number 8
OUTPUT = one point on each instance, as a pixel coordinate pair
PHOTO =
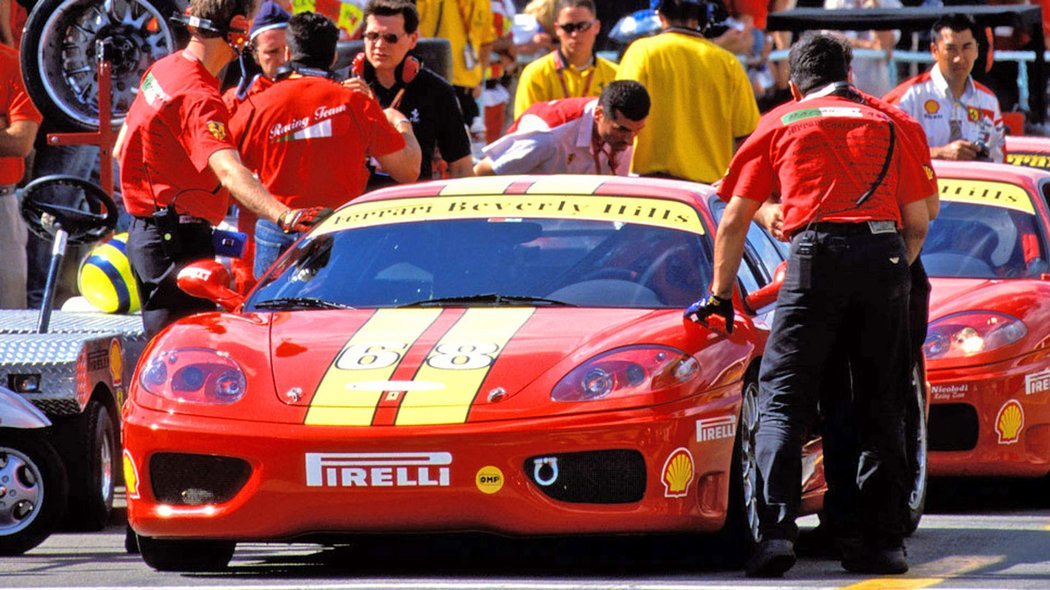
(463, 356)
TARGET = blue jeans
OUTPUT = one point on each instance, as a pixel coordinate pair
(856, 302)
(270, 243)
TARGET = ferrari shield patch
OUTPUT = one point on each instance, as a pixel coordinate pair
(217, 130)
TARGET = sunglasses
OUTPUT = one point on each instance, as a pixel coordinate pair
(388, 38)
(571, 28)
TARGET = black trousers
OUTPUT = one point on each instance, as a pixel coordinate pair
(856, 302)
(840, 513)
(163, 302)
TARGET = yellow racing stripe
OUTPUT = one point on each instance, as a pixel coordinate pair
(370, 356)
(460, 361)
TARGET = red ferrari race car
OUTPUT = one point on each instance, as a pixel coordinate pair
(501, 355)
(987, 347)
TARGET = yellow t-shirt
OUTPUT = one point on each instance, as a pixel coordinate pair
(702, 100)
(542, 79)
(445, 19)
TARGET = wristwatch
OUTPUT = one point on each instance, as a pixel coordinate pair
(400, 121)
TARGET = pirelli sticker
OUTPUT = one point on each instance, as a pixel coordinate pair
(1031, 160)
(984, 192)
(360, 389)
(667, 213)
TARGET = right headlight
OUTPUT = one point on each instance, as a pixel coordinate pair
(633, 370)
(196, 375)
(971, 332)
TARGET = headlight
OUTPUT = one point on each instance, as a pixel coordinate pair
(634, 370)
(971, 332)
(197, 375)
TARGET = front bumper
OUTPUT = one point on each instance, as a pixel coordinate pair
(990, 420)
(492, 477)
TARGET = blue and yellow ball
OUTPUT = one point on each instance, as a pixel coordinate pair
(105, 278)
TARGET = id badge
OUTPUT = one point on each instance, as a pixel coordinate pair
(470, 57)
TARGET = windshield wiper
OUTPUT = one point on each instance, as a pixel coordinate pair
(299, 303)
(492, 299)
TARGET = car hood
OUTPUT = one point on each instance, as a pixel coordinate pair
(448, 365)
(1025, 299)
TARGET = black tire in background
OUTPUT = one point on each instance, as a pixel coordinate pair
(91, 446)
(916, 441)
(166, 555)
(32, 469)
(58, 55)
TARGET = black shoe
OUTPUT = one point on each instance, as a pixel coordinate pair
(817, 543)
(772, 559)
(863, 559)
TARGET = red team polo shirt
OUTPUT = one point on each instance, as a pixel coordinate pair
(308, 139)
(176, 123)
(553, 112)
(820, 155)
(14, 106)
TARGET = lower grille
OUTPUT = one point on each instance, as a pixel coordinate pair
(594, 477)
(190, 480)
(953, 427)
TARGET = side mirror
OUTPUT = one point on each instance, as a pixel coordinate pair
(767, 295)
(209, 279)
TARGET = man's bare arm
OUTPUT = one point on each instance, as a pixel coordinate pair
(462, 167)
(244, 186)
(16, 139)
(729, 243)
(915, 219)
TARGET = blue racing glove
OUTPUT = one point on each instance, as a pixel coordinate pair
(711, 305)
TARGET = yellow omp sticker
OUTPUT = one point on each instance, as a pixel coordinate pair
(489, 479)
(1030, 160)
(370, 356)
(984, 192)
(461, 360)
(667, 213)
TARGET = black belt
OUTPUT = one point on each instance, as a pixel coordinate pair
(851, 228)
(183, 220)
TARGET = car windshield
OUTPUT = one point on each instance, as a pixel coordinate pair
(489, 262)
(981, 241)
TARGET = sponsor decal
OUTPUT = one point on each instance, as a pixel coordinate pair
(131, 476)
(98, 359)
(715, 428)
(217, 130)
(931, 107)
(1030, 160)
(678, 473)
(116, 362)
(801, 115)
(1037, 382)
(972, 114)
(1009, 422)
(478, 205)
(378, 470)
(489, 479)
(982, 192)
(153, 92)
(949, 392)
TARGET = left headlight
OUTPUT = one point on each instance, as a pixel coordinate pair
(197, 375)
(971, 332)
(634, 370)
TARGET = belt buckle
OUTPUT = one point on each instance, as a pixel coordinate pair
(882, 227)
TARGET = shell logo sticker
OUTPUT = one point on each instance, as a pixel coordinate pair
(678, 473)
(1009, 422)
(131, 476)
(116, 362)
(931, 107)
(489, 479)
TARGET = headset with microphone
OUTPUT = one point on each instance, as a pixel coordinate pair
(405, 72)
(235, 32)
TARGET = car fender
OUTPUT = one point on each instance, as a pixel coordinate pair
(16, 412)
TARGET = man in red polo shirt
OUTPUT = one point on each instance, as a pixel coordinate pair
(854, 199)
(19, 122)
(308, 137)
(179, 167)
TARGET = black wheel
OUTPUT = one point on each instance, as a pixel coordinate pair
(32, 490)
(166, 555)
(739, 536)
(44, 217)
(91, 446)
(916, 440)
(59, 59)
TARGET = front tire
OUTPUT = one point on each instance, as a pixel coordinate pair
(166, 555)
(32, 490)
(739, 536)
(916, 445)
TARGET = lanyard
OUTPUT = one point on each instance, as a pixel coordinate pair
(596, 149)
(559, 65)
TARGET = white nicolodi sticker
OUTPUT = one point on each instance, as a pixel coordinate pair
(1037, 382)
(715, 428)
(373, 470)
